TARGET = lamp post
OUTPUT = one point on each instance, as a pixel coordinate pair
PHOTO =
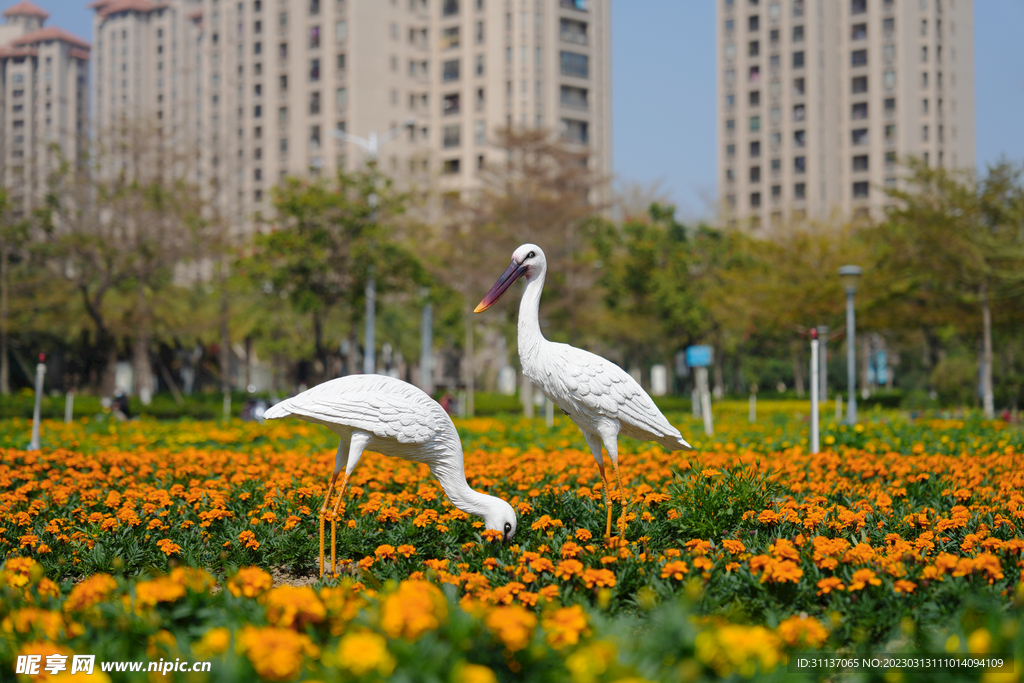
(849, 275)
(371, 144)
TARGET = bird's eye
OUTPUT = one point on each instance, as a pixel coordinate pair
(530, 255)
(508, 528)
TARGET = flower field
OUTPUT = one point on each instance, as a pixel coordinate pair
(198, 541)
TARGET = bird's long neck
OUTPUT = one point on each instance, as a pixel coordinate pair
(451, 473)
(530, 336)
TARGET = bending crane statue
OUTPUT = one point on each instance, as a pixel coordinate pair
(599, 396)
(389, 416)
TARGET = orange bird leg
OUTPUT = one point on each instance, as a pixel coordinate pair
(323, 511)
(622, 495)
(334, 522)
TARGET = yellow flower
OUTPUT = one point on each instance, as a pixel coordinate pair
(599, 577)
(674, 570)
(89, 592)
(738, 648)
(416, 607)
(513, 625)
(250, 582)
(588, 663)
(29, 619)
(195, 579)
(163, 589)
(979, 642)
(214, 641)
(807, 630)
(474, 673)
(363, 652)
(168, 547)
(863, 577)
(275, 653)
(564, 626)
(288, 606)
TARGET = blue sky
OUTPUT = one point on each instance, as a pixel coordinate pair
(665, 134)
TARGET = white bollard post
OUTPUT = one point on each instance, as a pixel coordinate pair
(814, 390)
(705, 401)
(69, 407)
(38, 409)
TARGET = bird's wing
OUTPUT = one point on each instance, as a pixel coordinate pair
(596, 386)
(383, 406)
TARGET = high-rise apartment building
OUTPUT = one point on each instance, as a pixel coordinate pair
(267, 81)
(44, 75)
(820, 100)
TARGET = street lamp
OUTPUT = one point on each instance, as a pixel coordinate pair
(370, 144)
(849, 275)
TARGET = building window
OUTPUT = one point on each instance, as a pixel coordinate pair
(314, 7)
(754, 98)
(481, 132)
(755, 199)
(754, 24)
(858, 6)
(860, 162)
(775, 139)
(800, 191)
(341, 31)
(575, 64)
(800, 164)
(574, 97)
(755, 174)
(314, 70)
(449, 37)
(776, 192)
(798, 86)
(799, 138)
(755, 74)
(753, 48)
(860, 190)
(449, 8)
(575, 131)
(282, 114)
(729, 25)
(798, 59)
(452, 136)
(859, 111)
(859, 136)
(890, 133)
(859, 32)
(889, 80)
(889, 54)
(314, 37)
(479, 65)
(890, 159)
(341, 98)
(924, 79)
(775, 114)
(859, 58)
(450, 104)
(730, 175)
(755, 123)
(888, 26)
(314, 103)
(924, 106)
(776, 165)
(859, 84)
(257, 111)
(799, 112)
(450, 70)
(798, 34)
(924, 133)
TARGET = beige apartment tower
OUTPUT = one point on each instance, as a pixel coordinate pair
(44, 106)
(819, 100)
(258, 86)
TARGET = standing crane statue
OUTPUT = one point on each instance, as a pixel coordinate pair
(392, 417)
(599, 396)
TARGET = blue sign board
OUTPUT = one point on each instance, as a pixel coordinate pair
(698, 356)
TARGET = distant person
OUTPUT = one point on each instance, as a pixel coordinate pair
(447, 403)
(120, 406)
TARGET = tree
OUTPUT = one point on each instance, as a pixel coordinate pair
(120, 229)
(950, 247)
(14, 236)
(331, 238)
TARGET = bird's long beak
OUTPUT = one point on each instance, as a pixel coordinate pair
(511, 274)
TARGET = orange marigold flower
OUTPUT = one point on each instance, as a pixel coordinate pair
(250, 582)
(863, 577)
(703, 563)
(564, 626)
(674, 570)
(293, 606)
(26, 620)
(570, 549)
(361, 652)
(195, 579)
(89, 592)
(904, 586)
(168, 547)
(162, 589)
(583, 535)
(385, 552)
(783, 549)
(490, 535)
(413, 609)
(698, 546)
(513, 626)
(407, 550)
(733, 546)
(599, 577)
(249, 539)
(989, 563)
(566, 569)
(276, 653)
(829, 584)
(768, 517)
(805, 630)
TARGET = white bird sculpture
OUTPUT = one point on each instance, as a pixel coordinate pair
(599, 396)
(392, 417)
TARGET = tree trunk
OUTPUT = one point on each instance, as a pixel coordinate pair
(987, 400)
(5, 370)
(719, 390)
(469, 365)
(798, 369)
(108, 381)
(140, 353)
